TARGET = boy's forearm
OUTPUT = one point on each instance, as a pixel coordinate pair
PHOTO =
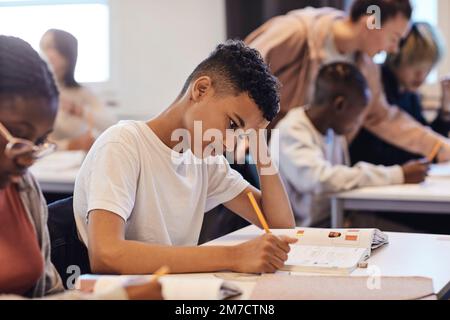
(274, 199)
(132, 257)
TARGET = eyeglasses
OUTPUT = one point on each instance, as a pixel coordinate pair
(17, 147)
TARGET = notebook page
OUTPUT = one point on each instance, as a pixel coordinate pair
(325, 257)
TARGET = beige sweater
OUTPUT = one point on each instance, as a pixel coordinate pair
(294, 46)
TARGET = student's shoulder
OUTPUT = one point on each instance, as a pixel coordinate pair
(296, 127)
(295, 119)
(125, 133)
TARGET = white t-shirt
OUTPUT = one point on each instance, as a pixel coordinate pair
(132, 173)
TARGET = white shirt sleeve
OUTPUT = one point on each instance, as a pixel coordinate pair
(224, 183)
(113, 179)
(304, 165)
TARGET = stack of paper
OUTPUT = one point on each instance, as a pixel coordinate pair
(379, 239)
(173, 287)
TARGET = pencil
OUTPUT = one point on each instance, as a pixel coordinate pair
(435, 151)
(160, 272)
(260, 215)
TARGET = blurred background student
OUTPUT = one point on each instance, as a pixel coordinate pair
(403, 74)
(81, 116)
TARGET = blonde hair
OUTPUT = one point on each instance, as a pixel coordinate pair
(423, 44)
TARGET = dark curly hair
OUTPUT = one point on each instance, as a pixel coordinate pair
(236, 68)
(23, 73)
(389, 9)
(340, 79)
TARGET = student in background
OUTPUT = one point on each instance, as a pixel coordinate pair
(81, 115)
(314, 159)
(296, 45)
(139, 201)
(28, 107)
(403, 74)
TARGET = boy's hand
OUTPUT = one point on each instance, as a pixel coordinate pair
(265, 254)
(415, 171)
(148, 291)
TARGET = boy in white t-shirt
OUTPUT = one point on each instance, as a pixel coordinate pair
(139, 202)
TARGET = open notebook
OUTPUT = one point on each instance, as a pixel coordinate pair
(173, 287)
(331, 251)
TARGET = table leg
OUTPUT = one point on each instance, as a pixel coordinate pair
(337, 213)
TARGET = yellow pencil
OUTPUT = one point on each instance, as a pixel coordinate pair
(435, 151)
(260, 215)
(160, 272)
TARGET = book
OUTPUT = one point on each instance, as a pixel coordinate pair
(331, 251)
(180, 287)
(321, 287)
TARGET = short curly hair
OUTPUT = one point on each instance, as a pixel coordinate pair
(340, 79)
(236, 68)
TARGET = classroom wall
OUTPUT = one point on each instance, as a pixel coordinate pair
(154, 46)
(156, 43)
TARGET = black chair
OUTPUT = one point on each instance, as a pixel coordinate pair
(66, 248)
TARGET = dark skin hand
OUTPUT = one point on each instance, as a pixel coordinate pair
(416, 171)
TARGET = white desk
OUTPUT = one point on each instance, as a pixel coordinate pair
(57, 172)
(406, 255)
(432, 196)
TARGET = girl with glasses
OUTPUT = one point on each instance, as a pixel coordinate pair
(28, 107)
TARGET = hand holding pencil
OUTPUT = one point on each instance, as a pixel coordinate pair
(265, 254)
(416, 171)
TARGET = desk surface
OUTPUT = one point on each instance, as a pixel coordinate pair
(435, 189)
(57, 173)
(432, 190)
(405, 255)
